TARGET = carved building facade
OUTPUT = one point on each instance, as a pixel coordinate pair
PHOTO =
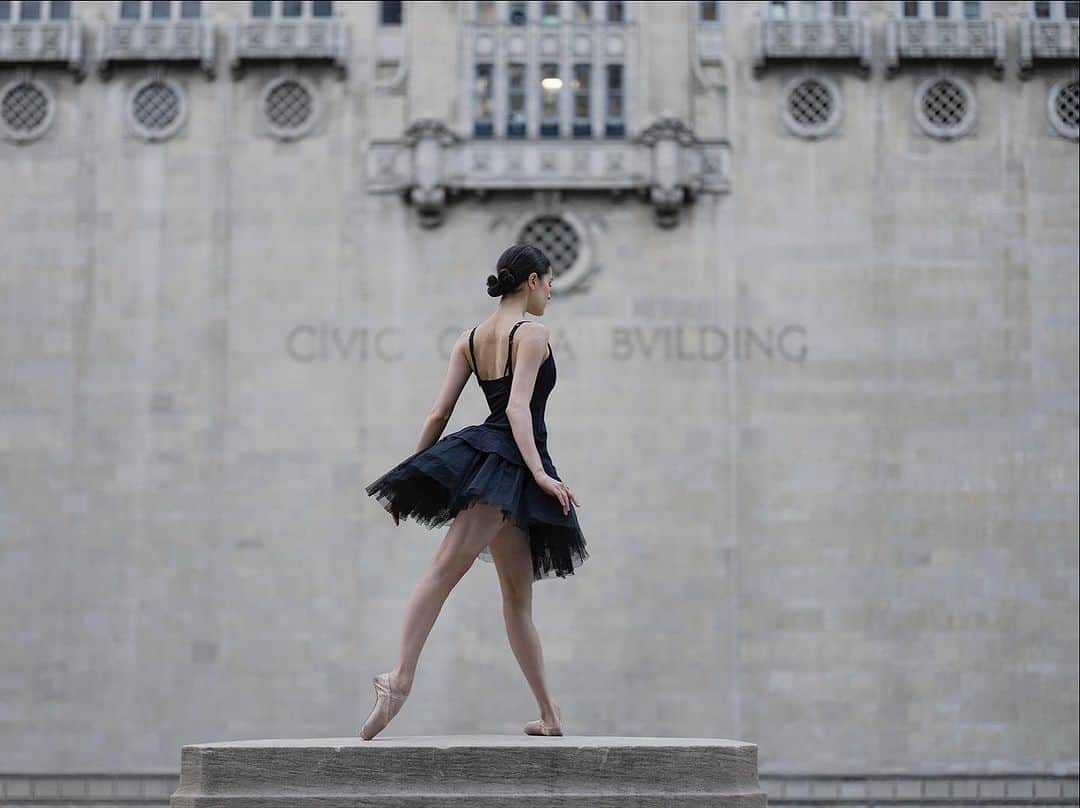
(811, 262)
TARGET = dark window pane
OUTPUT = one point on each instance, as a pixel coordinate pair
(129, 10)
(191, 9)
(159, 9)
(5, 9)
(391, 12)
(260, 8)
(1042, 9)
(322, 8)
(550, 90)
(60, 10)
(30, 10)
(483, 99)
(1072, 9)
(709, 11)
(582, 129)
(519, 13)
(582, 10)
(614, 77)
(614, 125)
(941, 9)
(582, 101)
(291, 8)
(839, 8)
(614, 11)
(911, 8)
(515, 85)
(972, 9)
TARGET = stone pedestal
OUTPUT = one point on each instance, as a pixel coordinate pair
(481, 771)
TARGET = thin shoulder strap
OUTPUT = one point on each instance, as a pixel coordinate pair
(473, 352)
(510, 349)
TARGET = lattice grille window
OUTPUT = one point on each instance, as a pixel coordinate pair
(945, 107)
(811, 106)
(1064, 108)
(157, 108)
(26, 109)
(290, 105)
(556, 237)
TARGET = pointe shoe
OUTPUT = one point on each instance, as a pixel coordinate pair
(387, 703)
(539, 727)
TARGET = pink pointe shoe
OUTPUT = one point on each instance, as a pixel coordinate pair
(539, 727)
(388, 702)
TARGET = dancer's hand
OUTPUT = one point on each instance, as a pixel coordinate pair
(557, 489)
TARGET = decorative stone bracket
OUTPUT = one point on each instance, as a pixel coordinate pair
(428, 139)
(667, 163)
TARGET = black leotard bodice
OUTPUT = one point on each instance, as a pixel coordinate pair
(497, 391)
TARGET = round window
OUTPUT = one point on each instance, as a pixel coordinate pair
(290, 105)
(26, 109)
(811, 106)
(556, 237)
(1064, 108)
(157, 108)
(945, 107)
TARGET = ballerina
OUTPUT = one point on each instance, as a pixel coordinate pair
(495, 480)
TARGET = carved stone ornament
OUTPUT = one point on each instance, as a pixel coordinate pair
(429, 128)
(668, 128)
(667, 163)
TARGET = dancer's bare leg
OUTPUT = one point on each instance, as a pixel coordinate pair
(510, 551)
(470, 532)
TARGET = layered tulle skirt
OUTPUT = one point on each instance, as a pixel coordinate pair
(482, 463)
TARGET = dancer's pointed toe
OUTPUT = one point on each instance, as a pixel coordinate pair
(388, 702)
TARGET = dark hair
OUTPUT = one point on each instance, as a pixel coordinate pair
(514, 266)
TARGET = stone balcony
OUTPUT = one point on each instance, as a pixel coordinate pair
(666, 162)
(839, 40)
(944, 40)
(1047, 42)
(34, 42)
(140, 41)
(277, 40)
(479, 771)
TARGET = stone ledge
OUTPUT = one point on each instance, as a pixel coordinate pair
(473, 770)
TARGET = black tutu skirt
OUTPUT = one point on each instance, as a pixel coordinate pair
(482, 463)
